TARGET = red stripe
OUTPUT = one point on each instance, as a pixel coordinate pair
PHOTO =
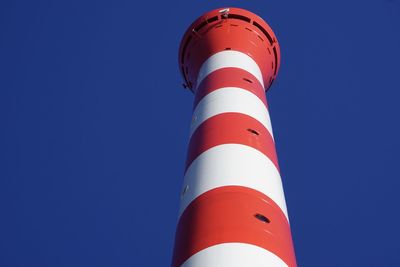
(231, 128)
(227, 214)
(229, 77)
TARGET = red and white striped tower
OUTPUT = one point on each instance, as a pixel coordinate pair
(233, 211)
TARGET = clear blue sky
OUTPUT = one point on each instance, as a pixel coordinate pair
(94, 125)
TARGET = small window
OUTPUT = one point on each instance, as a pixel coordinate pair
(262, 218)
(253, 131)
(185, 189)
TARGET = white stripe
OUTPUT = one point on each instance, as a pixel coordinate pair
(232, 164)
(229, 59)
(230, 99)
(234, 255)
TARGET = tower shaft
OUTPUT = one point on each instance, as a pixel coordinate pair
(233, 211)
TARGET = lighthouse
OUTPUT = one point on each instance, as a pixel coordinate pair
(232, 206)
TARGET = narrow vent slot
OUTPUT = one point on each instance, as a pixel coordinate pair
(212, 19)
(201, 25)
(237, 16)
(204, 23)
(263, 31)
(276, 60)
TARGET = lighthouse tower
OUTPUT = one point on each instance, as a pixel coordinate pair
(233, 211)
